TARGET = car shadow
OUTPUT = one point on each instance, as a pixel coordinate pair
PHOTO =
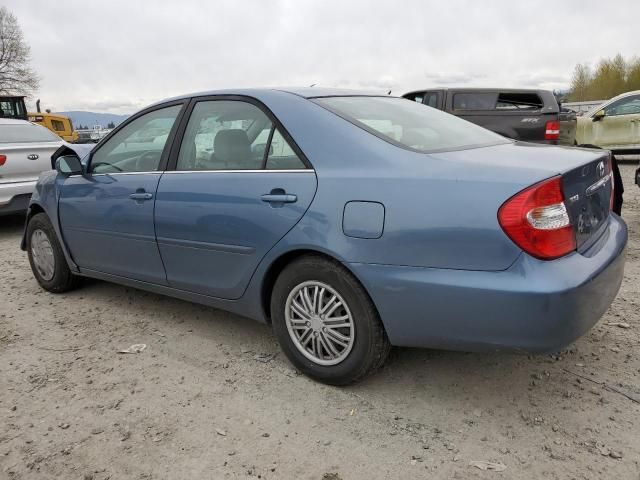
(12, 224)
(409, 373)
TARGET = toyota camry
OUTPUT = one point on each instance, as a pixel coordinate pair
(350, 222)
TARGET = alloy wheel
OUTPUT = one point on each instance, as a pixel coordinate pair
(320, 323)
(42, 254)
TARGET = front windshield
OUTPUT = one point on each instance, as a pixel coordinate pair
(410, 125)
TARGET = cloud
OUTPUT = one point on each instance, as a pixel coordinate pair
(446, 79)
(120, 55)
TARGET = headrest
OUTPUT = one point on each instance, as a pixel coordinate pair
(232, 146)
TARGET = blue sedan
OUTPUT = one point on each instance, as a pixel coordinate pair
(350, 222)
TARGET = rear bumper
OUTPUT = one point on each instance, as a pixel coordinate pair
(18, 204)
(14, 197)
(10, 190)
(534, 305)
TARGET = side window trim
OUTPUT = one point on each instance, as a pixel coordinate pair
(167, 146)
(265, 157)
(172, 159)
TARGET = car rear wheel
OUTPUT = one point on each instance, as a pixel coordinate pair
(46, 258)
(326, 323)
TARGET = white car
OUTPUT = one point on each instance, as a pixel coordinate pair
(25, 152)
(614, 125)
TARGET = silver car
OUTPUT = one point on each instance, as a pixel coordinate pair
(25, 152)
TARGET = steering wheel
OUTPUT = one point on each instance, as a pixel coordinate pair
(152, 155)
(94, 165)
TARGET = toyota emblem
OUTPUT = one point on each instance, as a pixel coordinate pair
(33, 156)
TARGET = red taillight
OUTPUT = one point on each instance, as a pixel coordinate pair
(3, 158)
(536, 219)
(552, 130)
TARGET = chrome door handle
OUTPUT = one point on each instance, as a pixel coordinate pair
(279, 198)
(141, 196)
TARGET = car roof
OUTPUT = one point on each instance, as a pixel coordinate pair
(304, 92)
(625, 94)
(315, 92)
(481, 90)
(599, 106)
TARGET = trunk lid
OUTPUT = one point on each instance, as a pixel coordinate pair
(513, 167)
(25, 161)
(587, 190)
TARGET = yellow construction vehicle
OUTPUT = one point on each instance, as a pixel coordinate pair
(58, 124)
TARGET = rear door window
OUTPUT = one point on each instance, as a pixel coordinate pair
(224, 135)
(234, 135)
(519, 101)
(431, 99)
(416, 97)
(281, 155)
(475, 101)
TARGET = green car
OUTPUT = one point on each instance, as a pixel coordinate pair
(614, 125)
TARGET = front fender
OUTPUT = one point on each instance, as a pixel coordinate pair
(45, 199)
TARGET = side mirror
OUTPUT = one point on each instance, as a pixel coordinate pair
(69, 165)
(599, 115)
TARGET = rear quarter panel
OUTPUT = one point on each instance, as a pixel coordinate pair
(440, 210)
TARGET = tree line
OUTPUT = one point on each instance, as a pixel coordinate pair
(611, 77)
(16, 74)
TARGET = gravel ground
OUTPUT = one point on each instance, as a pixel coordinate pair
(212, 398)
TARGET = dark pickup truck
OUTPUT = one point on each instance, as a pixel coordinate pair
(521, 114)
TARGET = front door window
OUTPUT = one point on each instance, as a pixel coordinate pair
(138, 146)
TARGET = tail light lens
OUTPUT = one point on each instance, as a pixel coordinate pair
(536, 219)
(552, 130)
(3, 158)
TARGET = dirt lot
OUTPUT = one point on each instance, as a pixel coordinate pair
(207, 400)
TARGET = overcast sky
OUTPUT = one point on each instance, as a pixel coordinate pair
(117, 56)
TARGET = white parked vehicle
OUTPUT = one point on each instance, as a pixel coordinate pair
(614, 125)
(25, 152)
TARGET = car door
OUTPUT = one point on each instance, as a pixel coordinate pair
(107, 214)
(620, 126)
(239, 184)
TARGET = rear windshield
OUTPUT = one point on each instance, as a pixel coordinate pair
(497, 101)
(26, 133)
(410, 125)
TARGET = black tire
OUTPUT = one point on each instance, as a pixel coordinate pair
(370, 345)
(63, 280)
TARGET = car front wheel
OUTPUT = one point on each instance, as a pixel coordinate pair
(46, 257)
(326, 323)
